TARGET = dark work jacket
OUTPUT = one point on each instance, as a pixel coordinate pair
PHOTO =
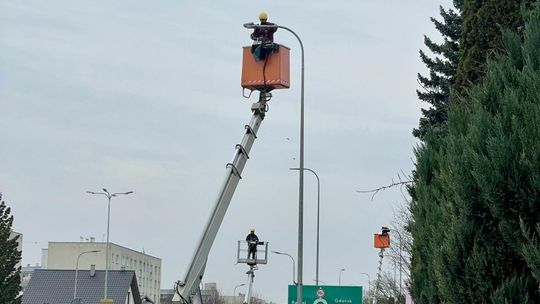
(252, 237)
(264, 34)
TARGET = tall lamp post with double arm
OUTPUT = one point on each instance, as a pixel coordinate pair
(109, 196)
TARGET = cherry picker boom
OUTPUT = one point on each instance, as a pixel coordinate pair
(264, 76)
(188, 290)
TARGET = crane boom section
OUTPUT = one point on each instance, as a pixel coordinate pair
(190, 286)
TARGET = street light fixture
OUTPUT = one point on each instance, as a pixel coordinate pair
(75, 300)
(400, 256)
(318, 217)
(340, 271)
(292, 259)
(368, 277)
(234, 292)
(369, 280)
(109, 196)
(251, 25)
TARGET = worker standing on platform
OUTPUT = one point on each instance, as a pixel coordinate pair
(252, 241)
(263, 38)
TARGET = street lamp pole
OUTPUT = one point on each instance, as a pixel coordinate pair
(292, 259)
(400, 256)
(369, 280)
(234, 292)
(318, 217)
(109, 196)
(301, 181)
(340, 271)
(368, 277)
(77, 272)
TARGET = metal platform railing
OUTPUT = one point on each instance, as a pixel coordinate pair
(261, 255)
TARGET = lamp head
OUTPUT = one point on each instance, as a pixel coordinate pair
(249, 25)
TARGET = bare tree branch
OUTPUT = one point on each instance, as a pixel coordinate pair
(400, 182)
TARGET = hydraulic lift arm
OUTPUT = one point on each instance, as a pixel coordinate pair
(188, 290)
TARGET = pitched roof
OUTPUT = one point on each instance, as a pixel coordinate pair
(57, 286)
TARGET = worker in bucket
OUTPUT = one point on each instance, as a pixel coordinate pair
(263, 38)
(252, 241)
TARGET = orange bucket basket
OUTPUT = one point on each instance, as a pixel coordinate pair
(381, 240)
(275, 75)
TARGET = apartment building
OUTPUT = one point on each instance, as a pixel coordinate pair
(64, 255)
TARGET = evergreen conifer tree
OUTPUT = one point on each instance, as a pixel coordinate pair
(531, 250)
(476, 198)
(481, 35)
(427, 210)
(442, 70)
(428, 222)
(10, 279)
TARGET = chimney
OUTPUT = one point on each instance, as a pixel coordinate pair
(92, 270)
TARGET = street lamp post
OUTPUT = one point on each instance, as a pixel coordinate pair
(77, 273)
(340, 271)
(400, 256)
(368, 277)
(109, 196)
(369, 280)
(318, 217)
(301, 156)
(234, 292)
(292, 259)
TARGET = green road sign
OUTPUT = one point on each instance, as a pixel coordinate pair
(327, 294)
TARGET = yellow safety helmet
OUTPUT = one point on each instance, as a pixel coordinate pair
(263, 16)
(252, 229)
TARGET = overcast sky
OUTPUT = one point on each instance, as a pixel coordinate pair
(145, 96)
